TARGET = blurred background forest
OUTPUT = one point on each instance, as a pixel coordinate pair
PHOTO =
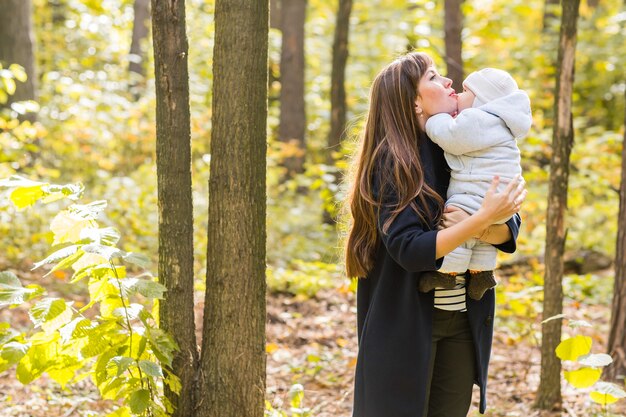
(93, 122)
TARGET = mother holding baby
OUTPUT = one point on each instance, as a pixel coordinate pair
(422, 344)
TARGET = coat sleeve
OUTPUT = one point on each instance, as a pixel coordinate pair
(472, 130)
(514, 224)
(409, 241)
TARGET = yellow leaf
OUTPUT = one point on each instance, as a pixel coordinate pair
(603, 399)
(573, 348)
(26, 196)
(584, 377)
(271, 347)
(67, 228)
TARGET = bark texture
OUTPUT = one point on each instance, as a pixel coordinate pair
(549, 393)
(292, 124)
(141, 9)
(173, 151)
(453, 26)
(17, 47)
(338, 107)
(550, 9)
(617, 337)
(233, 345)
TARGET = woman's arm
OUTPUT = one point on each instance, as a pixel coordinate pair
(495, 206)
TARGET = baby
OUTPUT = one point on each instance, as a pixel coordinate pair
(480, 143)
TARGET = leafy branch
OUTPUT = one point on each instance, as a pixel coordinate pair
(121, 347)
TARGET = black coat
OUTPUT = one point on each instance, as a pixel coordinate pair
(395, 319)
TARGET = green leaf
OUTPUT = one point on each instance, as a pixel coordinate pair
(120, 412)
(89, 211)
(151, 368)
(137, 259)
(139, 401)
(121, 363)
(13, 352)
(108, 236)
(47, 310)
(67, 227)
(75, 329)
(15, 181)
(596, 360)
(64, 375)
(149, 289)
(555, 317)
(57, 256)
(296, 395)
(173, 382)
(607, 393)
(12, 292)
(584, 377)
(573, 348)
(108, 252)
(41, 356)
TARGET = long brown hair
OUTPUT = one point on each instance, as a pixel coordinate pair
(389, 156)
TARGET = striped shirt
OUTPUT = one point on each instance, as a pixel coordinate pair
(454, 299)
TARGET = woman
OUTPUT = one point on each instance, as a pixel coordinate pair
(416, 358)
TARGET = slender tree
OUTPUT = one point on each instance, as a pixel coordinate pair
(549, 393)
(617, 336)
(16, 46)
(233, 345)
(173, 149)
(338, 107)
(275, 14)
(550, 8)
(141, 17)
(453, 26)
(292, 124)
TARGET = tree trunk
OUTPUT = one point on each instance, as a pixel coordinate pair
(140, 33)
(233, 344)
(338, 91)
(16, 47)
(275, 14)
(549, 393)
(453, 25)
(173, 150)
(550, 8)
(617, 337)
(292, 123)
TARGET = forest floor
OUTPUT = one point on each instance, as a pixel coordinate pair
(313, 342)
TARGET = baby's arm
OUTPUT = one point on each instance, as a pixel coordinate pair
(470, 131)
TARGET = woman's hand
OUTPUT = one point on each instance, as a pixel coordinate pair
(451, 216)
(502, 205)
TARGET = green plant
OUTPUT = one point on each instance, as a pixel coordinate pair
(114, 339)
(586, 367)
(296, 399)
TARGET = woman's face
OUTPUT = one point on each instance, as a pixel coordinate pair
(435, 94)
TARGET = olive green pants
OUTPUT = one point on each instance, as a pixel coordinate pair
(452, 366)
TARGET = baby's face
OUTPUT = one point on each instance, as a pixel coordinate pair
(465, 99)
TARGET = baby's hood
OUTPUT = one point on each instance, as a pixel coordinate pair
(514, 110)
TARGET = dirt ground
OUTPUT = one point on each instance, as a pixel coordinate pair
(313, 342)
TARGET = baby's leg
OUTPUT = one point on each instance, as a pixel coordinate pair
(481, 266)
(454, 263)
